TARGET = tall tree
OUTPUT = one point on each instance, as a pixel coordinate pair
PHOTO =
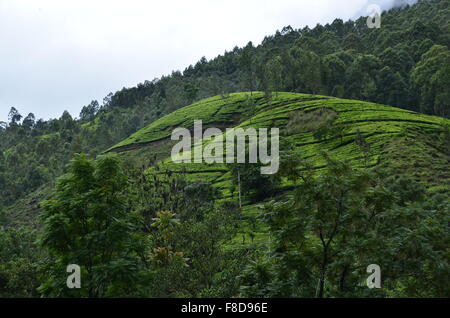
(87, 223)
(29, 121)
(14, 116)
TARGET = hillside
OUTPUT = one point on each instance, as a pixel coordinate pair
(403, 64)
(401, 140)
(364, 178)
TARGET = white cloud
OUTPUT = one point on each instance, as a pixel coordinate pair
(58, 55)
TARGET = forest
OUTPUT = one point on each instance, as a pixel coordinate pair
(364, 175)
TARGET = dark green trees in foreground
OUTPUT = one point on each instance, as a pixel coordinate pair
(88, 223)
(334, 226)
(323, 236)
(120, 232)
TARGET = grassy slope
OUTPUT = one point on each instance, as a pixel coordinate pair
(403, 141)
(400, 140)
(397, 137)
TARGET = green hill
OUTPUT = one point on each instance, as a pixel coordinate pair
(403, 141)
(139, 227)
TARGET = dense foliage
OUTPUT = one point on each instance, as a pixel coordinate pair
(405, 63)
(106, 222)
(333, 226)
(140, 227)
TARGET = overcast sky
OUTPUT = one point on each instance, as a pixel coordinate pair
(59, 55)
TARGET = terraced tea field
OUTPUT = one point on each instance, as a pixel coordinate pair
(396, 137)
(401, 141)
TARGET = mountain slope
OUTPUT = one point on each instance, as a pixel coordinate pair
(401, 140)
